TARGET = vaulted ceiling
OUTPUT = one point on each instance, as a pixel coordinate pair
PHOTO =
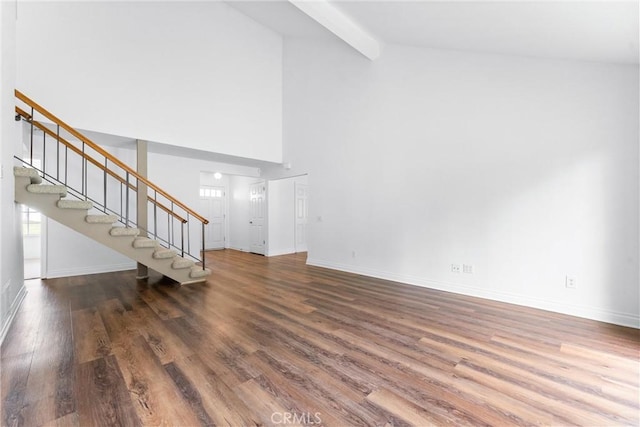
(605, 31)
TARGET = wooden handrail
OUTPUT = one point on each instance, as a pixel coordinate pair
(23, 113)
(93, 161)
(68, 144)
(166, 209)
(31, 103)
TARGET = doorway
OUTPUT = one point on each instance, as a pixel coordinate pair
(32, 242)
(33, 230)
(302, 214)
(257, 200)
(286, 218)
(213, 207)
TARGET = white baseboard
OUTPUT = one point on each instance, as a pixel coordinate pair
(282, 252)
(594, 313)
(80, 271)
(15, 306)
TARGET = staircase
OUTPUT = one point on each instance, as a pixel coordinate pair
(99, 221)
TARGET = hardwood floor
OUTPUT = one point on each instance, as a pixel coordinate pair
(275, 342)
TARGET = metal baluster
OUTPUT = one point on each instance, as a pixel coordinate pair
(44, 152)
(84, 163)
(121, 202)
(86, 178)
(203, 245)
(182, 237)
(188, 235)
(58, 152)
(173, 234)
(155, 213)
(105, 184)
(31, 139)
(127, 201)
(170, 227)
(66, 161)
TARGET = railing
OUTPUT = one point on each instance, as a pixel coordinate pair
(109, 176)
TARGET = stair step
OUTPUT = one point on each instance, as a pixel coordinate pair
(47, 189)
(124, 232)
(29, 173)
(74, 204)
(179, 263)
(198, 272)
(101, 219)
(164, 254)
(143, 242)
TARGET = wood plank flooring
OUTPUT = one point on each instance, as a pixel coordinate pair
(272, 341)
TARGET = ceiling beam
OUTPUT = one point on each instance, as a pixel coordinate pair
(340, 25)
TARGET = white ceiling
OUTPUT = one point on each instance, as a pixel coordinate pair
(604, 31)
(282, 17)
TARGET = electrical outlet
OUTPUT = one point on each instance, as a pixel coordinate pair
(570, 282)
(467, 268)
(455, 268)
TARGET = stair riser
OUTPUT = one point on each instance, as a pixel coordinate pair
(145, 246)
(179, 265)
(144, 243)
(79, 205)
(124, 232)
(198, 272)
(167, 257)
(101, 219)
(47, 189)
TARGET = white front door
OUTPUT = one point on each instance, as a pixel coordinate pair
(212, 202)
(302, 213)
(257, 232)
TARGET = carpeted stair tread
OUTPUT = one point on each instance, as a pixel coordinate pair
(124, 232)
(164, 253)
(144, 242)
(180, 263)
(29, 173)
(198, 272)
(47, 189)
(74, 204)
(101, 219)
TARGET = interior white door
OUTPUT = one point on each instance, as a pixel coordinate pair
(302, 213)
(212, 200)
(257, 235)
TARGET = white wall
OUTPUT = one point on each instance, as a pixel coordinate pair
(69, 253)
(193, 74)
(12, 288)
(281, 215)
(526, 169)
(239, 212)
(31, 246)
